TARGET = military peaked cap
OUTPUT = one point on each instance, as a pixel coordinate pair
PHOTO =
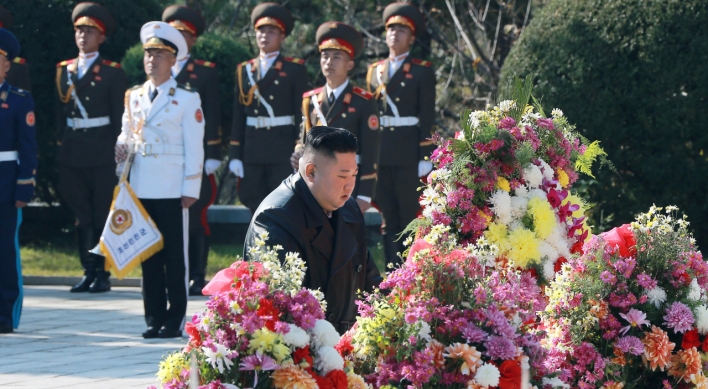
(272, 14)
(184, 19)
(9, 45)
(94, 15)
(5, 18)
(340, 36)
(160, 35)
(405, 14)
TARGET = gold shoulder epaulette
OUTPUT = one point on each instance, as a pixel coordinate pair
(205, 63)
(64, 63)
(295, 60)
(421, 62)
(19, 60)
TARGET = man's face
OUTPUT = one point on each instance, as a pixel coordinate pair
(158, 62)
(4, 68)
(399, 38)
(331, 180)
(335, 64)
(269, 38)
(88, 38)
(190, 38)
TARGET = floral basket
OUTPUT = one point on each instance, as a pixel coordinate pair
(631, 312)
(260, 329)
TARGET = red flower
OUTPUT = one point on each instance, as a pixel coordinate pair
(705, 344)
(621, 239)
(559, 264)
(322, 382)
(303, 354)
(267, 311)
(510, 375)
(690, 339)
(344, 347)
(194, 336)
(338, 379)
(554, 198)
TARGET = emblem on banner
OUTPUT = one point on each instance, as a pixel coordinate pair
(121, 220)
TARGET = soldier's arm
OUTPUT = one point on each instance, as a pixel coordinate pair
(118, 87)
(238, 126)
(59, 118)
(369, 147)
(192, 139)
(299, 88)
(26, 150)
(426, 112)
(211, 104)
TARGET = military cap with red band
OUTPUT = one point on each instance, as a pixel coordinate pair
(272, 14)
(405, 14)
(339, 36)
(93, 15)
(184, 19)
(5, 18)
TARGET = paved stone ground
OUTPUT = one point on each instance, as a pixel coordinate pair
(83, 341)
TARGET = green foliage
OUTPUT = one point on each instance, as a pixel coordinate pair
(631, 75)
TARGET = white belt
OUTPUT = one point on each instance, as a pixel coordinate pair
(78, 123)
(8, 156)
(398, 121)
(265, 121)
(155, 149)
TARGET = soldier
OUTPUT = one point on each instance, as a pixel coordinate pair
(90, 106)
(165, 123)
(18, 75)
(340, 104)
(18, 164)
(266, 109)
(404, 88)
(202, 77)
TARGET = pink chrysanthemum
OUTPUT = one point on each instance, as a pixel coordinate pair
(630, 344)
(636, 318)
(679, 317)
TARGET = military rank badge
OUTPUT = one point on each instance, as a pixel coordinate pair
(351, 109)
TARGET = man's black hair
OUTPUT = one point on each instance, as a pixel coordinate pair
(329, 140)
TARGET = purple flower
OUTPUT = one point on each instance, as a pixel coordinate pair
(507, 123)
(679, 317)
(499, 347)
(608, 277)
(636, 318)
(630, 344)
(646, 282)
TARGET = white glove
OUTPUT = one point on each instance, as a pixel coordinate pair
(236, 167)
(211, 165)
(121, 152)
(424, 167)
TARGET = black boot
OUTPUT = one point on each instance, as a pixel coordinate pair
(391, 250)
(198, 253)
(85, 236)
(102, 283)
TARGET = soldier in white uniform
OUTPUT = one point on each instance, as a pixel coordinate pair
(164, 123)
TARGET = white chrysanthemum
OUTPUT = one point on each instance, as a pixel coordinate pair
(501, 205)
(519, 205)
(515, 224)
(556, 113)
(559, 241)
(521, 191)
(424, 332)
(506, 105)
(218, 359)
(656, 296)
(546, 170)
(324, 334)
(537, 193)
(328, 359)
(532, 175)
(547, 251)
(695, 291)
(296, 337)
(555, 382)
(549, 269)
(701, 313)
(487, 375)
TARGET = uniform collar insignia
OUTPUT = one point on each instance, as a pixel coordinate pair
(172, 91)
(3, 95)
(347, 98)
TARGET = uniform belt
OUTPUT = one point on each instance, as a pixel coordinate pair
(267, 121)
(155, 149)
(8, 156)
(400, 121)
(79, 123)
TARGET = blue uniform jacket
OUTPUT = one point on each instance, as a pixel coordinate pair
(17, 133)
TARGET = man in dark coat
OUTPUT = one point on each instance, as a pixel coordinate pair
(313, 214)
(18, 75)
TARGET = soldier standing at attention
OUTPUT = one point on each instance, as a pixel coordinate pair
(342, 105)
(89, 111)
(404, 88)
(18, 164)
(18, 75)
(267, 115)
(202, 77)
(164, 123)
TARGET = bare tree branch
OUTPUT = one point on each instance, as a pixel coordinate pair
(460, 30)
(496, 33)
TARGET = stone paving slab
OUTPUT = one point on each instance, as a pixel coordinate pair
(81, 340)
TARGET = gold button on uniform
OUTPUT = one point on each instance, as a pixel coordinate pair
(403, 84)
(255, 111)
(398, 99)
(87, 98)
(276, 82)
(270, 97)
(344, 115)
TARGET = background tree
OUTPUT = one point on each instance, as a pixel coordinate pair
(629, 74)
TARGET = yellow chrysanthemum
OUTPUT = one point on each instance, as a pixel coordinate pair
(263, 340)
(496, 234)
(503, 184)
(524, 247)
(172, 367)
(293, 377)
(544, 219)
(563, 178)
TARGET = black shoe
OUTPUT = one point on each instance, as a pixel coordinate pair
(196, 288)
(102, 283)
(151, 332)
(85, 284)
(6, 329)
(167, 333)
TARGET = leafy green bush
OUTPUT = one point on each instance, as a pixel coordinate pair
(631, 74)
